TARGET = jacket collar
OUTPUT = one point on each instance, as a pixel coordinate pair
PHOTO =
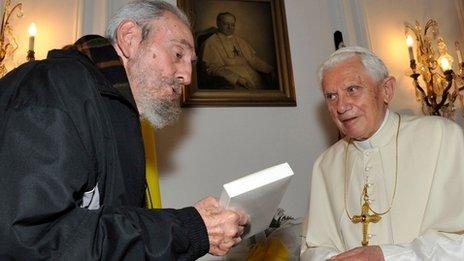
(99, 52)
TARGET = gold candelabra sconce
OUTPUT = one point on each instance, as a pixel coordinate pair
(8, 43)
(442, 86)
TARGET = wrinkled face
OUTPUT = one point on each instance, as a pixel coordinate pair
(159, 69)
(226, 24)
(356, 102)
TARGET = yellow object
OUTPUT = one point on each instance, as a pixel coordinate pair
(444, 63)
(152, 192)
(409, 40)
(32, 29)
(272, 250)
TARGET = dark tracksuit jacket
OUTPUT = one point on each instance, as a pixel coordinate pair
(72, 169)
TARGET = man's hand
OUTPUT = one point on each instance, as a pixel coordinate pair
(224, 226)
(368, 253)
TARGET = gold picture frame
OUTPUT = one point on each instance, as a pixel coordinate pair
(259, 24)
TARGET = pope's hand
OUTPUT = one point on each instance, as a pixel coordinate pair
(368, 253)
(225, 226)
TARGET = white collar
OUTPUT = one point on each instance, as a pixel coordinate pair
(366, 144)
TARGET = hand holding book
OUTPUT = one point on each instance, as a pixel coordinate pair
(258, 194)
(225, 226)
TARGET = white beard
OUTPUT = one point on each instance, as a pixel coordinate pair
(146, 86)
(160, 112)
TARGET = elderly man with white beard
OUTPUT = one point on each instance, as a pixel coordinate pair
(72, 167)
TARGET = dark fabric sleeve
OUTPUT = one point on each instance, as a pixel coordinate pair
(45, 167)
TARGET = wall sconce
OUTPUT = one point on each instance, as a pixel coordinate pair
(442, 84)
(8, 44)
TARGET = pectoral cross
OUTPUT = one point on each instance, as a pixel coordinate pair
(365, 218)
(236, 51)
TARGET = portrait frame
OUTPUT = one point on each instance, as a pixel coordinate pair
(280, 91)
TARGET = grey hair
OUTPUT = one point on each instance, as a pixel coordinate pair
(371, 62)
(142, 12)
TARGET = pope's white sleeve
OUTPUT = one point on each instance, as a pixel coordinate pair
(430, 246)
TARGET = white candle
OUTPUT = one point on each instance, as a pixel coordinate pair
(32, 33)
(409, 42)
(458, 52)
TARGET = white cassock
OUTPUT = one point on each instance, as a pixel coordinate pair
(426, 221)
(230, 57)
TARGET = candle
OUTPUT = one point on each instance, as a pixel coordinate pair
(409, 42)
(32, 32)
(458, 52)
(444, 64)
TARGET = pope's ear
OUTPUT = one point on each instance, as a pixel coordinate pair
(128, 37)
(389, 86)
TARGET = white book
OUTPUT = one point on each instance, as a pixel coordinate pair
(258, 194)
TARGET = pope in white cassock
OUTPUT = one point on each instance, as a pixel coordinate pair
(393, 188)
(232, 58)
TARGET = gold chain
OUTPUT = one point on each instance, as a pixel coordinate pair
(396, 175)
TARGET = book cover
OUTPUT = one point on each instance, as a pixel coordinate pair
(258, 194)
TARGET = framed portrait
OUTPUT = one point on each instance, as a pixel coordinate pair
(243, 54)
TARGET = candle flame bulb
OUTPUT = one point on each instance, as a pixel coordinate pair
(32, 33)
(32, 30)
(409, 42)
(444, 64)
